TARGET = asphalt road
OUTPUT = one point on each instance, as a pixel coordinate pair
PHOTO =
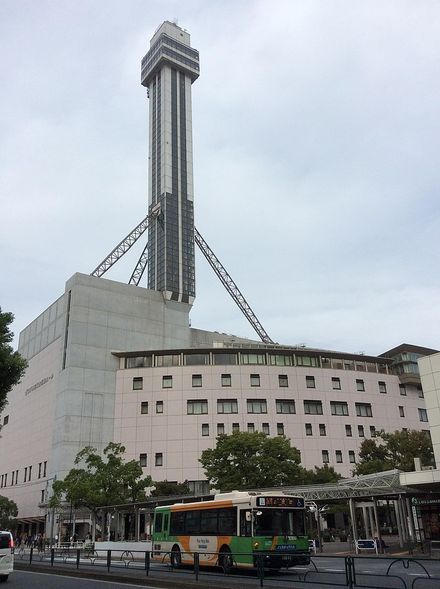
(26, 579)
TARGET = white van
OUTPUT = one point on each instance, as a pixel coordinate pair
(6, 555)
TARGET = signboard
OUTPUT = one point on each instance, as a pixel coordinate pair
(281, 501)
(368, 544)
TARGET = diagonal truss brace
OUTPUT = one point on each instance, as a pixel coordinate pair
(214, 262)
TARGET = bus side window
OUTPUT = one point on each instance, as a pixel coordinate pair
(245, 523)
(165, 522)
(158, 522)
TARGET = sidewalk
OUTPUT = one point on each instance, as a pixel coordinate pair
(393, 549)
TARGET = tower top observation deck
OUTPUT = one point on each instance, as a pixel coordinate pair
(170, 44)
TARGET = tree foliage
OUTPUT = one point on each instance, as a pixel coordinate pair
(102, 481)
(245, 460)
(12, 365)
(8, 510)
(321, 475)
(388, 451)
(169, 489)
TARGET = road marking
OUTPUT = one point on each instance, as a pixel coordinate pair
(82, 578)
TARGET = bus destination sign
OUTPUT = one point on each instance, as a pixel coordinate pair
(281, 501)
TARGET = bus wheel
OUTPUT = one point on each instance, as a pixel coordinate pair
(225, 560)
(176, 557)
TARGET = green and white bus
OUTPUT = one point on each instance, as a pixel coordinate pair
(235, 529)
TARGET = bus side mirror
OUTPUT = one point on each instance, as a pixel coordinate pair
(248, 516)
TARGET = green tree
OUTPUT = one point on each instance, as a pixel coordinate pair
(168, 489)
(388, 451)
(12, 365)
(245, 460)
(8, 510)
(102, 481)
(321, 475)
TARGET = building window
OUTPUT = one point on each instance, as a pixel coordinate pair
(401, 411)
(197, 407)
(339, 407)
(205, 429)
(322, 429)
(144, 407)
(325, 457)
(220, 429)
(338, 454)
(159, 406)
(196, 380)
(348, 431)
(253, 358)
(310, 382)
(224, 359)
(307, 361)
(336, 383)
(158, 459)
(372, 431)
(235, 427)
(361, 432)
(382, 386)
(167, 382)
(196, 359)
(420, 392)
(265, 429)
(363, 410)
(250, 428)
(226, 380)
(351, 456)
(256, 406)
(25, 474)
(423, 416)
(138, 383)
(309, 429)
(42, 496)
(227, 406)
(40, 464)
(30, 473)
(44, 468)
(360, 385)
(255, 380)
(285, 406)
(6, 420)
(278, 360)
(280, 429)
(283, 380)
(143, 460)
(402, 389)
(313, 407)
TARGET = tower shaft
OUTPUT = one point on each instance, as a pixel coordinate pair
(168, 71)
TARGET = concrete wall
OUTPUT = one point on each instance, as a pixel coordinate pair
(429, 367)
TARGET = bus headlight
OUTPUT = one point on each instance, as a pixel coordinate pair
(256, 545)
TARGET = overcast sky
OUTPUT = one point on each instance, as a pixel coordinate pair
(316, 159)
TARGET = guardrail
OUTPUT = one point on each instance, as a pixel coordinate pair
(323, 571)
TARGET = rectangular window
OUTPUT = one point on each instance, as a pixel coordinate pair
(402, 389)
(382, 386)
(197, 407)
(158, 459)
(205, 429)
(339, 407)
(265, 428)
(256, 406)
(420, 391)
(42, 496)
(143, 460)
(235, 427)
(310, 382)
(280, 429)
(338, 454)
(285, 406)
(227, 406)
(363, 410)
(255, 380)
(25, 474)
(40, 464)
(159, 406)
(313, 407)
(259, 359)
(423, 416)
(6, 420)
(196, 380)
(283, 380)
(138, 383)
(351, 456)
(196, 359)
(220, 429)
(144, 407)
(360, 385)
(336, 384)
(30, 473)
(401, 411)
(44, 468)
(322, 429)
(250, 428)
(325, 457)
(372, 431)
(361, 432)
(224, 359)
(309, 429)
(167, 360)
(307, 361)
(278, 360)
(348, 431)
(226, 380)
(167, 382)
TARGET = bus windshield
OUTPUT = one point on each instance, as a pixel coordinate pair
(279, 522)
